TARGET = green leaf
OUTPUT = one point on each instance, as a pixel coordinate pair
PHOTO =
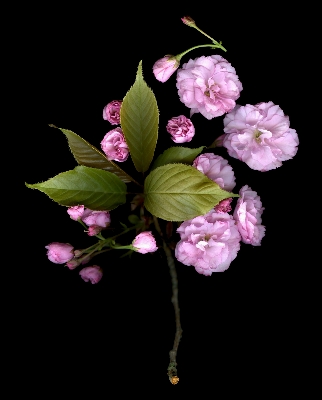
(179, 154)
(94, 188)
(178, 192)
(90, 156)
(139, 116)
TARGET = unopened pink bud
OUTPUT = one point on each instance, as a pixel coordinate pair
(144, 243)
(165, 67)
(75, 212)
(94, 230)
(111, 112)
(91, 274)
(60, 253)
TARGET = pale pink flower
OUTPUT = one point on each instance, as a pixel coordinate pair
(144, 243)
(91, 274)
(217, 169)
(115, 146)
(247, 215)
(60, 253)
(208, 85)
(209, 242)
(224, 206)
(111, 112)
(165, 67)
(75, 212)
(99, 218)
(181, 129)
(260, 136)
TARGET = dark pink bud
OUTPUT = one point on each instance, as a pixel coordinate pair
(188, 21)
(94, 230)
(72, 264)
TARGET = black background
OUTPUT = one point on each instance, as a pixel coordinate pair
(78, 337)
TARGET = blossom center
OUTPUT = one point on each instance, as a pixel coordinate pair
(257, 134)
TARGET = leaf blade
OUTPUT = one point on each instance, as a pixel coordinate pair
(94, 188)
(139, 117)
(178, 192)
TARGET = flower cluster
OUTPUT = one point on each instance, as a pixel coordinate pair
(211, 242)
(64, 253)
(114, 144)
(95, 220)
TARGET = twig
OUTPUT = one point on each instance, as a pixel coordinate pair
(172, 368)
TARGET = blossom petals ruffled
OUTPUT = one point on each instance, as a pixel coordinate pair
(209, 242)
(260, 136)
(208, 85)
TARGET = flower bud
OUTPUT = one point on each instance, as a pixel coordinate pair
(188, 21)
(94, 230)
(111, 112)
(60, 253)
(165, 67)
(144, 243)
(75, 212)
(91, 274)
(100, 218)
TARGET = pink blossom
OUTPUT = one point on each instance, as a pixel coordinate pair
(100, 218)
(260, 136)
(115, 146)
(224, 206)
(209, 242)
(217, 169)
(181, 129)
(60, 253)
(165, 67)
(75, 212)
(144, 243)
(247, 215)
(111, 112)
(208, 85)
(91, 274)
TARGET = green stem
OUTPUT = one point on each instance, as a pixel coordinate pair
(213, 46)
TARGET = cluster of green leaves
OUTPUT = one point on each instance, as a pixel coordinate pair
(173, 190)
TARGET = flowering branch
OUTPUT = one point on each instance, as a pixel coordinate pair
(181, 184)
(172, 368)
